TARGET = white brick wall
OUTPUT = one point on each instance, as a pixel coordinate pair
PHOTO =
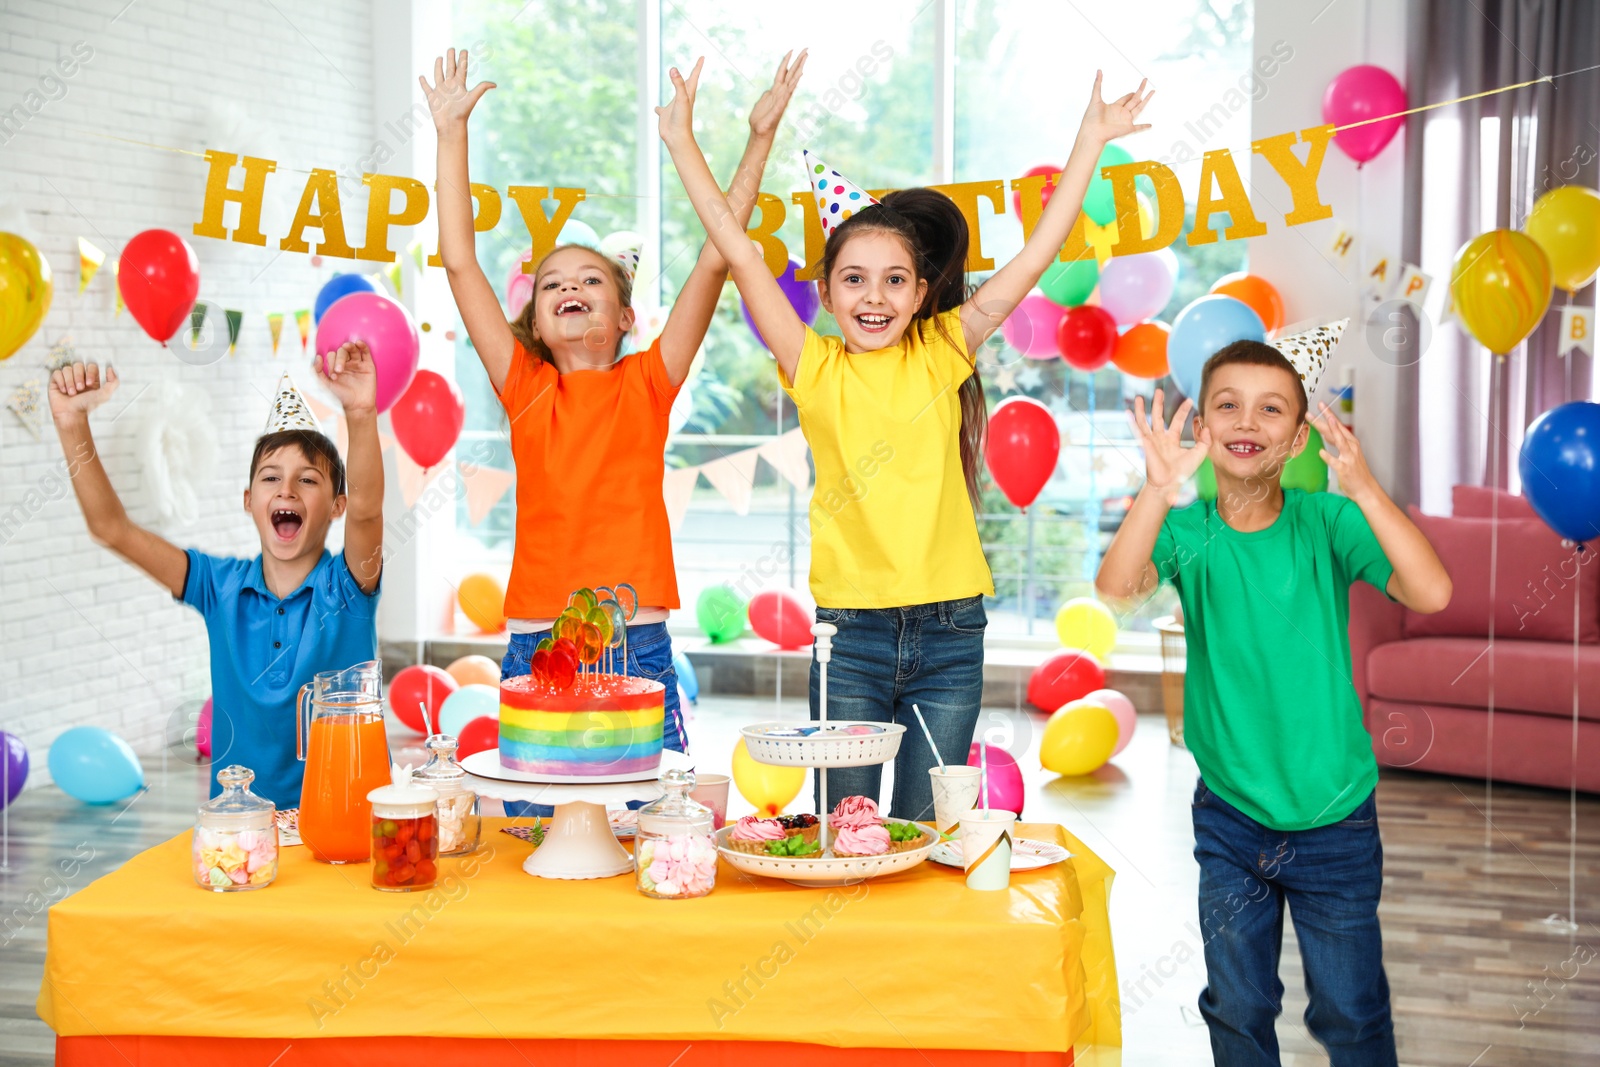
(84, 637)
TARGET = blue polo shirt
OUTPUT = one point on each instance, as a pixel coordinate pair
(264, 649)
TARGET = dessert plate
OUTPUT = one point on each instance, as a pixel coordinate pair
(1026, 854)
(825, 870)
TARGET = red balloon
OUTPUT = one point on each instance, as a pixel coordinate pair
(479, 735)
(428, 417)
(1069, 675)
(1087, 336)
(777, 615)
(159, 277)
(417, 686)
(1023, 445)
(1044, 194)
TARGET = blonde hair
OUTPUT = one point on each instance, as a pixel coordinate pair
(522, 327)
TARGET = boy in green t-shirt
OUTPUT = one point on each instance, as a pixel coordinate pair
(1284, 810)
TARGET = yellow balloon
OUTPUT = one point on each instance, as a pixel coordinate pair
(1500, 286)
(25, 292)
(1078, 739)
(1566, 223)
(1083, 622)
(766, 785)
(483, 602)
(1102, 238)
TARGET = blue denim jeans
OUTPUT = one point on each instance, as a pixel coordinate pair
(649, 656)
(1330, 878)
(884, 661)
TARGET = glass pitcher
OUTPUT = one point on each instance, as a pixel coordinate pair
(340, 736)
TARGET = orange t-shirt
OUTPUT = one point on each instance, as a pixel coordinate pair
(590, 451)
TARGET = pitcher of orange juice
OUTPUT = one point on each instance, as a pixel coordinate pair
(339, 733)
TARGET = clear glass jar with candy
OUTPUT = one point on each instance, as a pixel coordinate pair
(675, 849)
(405, 837)
(235, 836)
(459, 826)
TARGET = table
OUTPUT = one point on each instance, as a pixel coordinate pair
(492, 966)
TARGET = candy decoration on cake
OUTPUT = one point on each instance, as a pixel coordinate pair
(837, 196)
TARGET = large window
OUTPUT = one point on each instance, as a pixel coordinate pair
(567, 113)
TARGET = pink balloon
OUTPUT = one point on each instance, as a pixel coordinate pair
(1135, 288)
(1031, 328)
(519, 287)
(1121, 709)
(202, 731)
(1005, 778)
(1360, 93)
(777, 615)
(387, 329)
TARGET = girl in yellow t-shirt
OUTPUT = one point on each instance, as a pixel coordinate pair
(894, 415)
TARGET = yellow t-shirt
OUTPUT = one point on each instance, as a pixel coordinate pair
(891, 524)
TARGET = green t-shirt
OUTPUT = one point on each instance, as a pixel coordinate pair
(1269, 710)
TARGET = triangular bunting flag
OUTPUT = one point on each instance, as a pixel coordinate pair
(415, 248)
(1309, 350)
(116, 285)
(275, 324)
(412, 478)
(485, 487)
(677, 489)
(235, 321)
(197, 321)
(302, 319)
(394, 274)
(837, 196)
(89, 260)
(290, 411)
(788, 457)
(733, 476)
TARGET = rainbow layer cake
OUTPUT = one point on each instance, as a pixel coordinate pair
(601, 725)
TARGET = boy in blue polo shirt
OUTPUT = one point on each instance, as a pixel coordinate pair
(295, 609)
(1284, 814)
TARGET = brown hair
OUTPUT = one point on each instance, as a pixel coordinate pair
(935, 233)
(313, 445)
(1255, 354)
(522, 327)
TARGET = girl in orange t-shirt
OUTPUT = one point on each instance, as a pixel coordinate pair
(588, 430)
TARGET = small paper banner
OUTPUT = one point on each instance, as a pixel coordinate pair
(395, 274)
(302, 319)
(734, 477)
(415, 248)
(788, 457)
(413, 479)
(485, 487)
(1413, 285)
(1343, 243)
(677, 489)
(1577, 330)
(235, 321)
(116, 285)
(275, 324)
(89, 260)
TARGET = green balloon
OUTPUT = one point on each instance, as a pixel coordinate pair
(1098, 203)
(1305, 471)
(721, 614)
(1069, 284)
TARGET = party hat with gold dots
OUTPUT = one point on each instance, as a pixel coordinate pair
(1309, 350)
(837, 196)
(290, 411)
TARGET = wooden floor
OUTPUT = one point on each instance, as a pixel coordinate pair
(1479, 978)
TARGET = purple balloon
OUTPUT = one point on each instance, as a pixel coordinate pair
(1135, 288)
(802, 297)
(15, 768)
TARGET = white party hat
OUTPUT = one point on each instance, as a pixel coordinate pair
(1309, 350)
(837, 196)
(290, 411)
(625, 247)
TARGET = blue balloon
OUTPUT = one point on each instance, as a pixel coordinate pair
(94, 765)
(686, 677)
(578, 233)
(337, 286)
(1560, 466)
(1203, 329)
(465, 704)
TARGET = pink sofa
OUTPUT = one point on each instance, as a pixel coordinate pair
(1424, 680)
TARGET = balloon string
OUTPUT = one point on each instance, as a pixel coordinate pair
(1572, 799)
(1497, 370)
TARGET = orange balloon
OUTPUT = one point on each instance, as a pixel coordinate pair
(483, 601)
(1142, 351)
(1257, 293)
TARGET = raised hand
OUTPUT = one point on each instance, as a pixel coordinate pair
(1355, 477)
(768, 110)
(1167, 463)
(351, 376)
(1103, 122)
(449, 99)
(677, 116)
(78, 389)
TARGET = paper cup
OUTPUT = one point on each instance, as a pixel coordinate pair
(712, 791)
(955, 792)
(986, 847)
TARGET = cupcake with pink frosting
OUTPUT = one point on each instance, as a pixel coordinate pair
(860, 831)
(751, 834)
(863, 840)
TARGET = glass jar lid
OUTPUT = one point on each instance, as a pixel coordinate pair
(236, 798)
(442, 772)
(675, 812)
(403, 801)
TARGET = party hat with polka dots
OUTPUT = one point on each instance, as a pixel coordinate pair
(290, 411)
(1309, 350)
(625, 247)
(837, 196)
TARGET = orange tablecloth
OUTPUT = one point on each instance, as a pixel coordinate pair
(914, 962)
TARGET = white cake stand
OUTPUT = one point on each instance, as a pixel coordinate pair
(579, 842)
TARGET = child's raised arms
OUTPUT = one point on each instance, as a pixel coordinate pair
(352, 377)
(997, 297)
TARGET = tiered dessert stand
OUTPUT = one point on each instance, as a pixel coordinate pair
(823, 750)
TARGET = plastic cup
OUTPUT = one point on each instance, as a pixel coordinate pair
(986, 847)
(712, 791)
(955, 792)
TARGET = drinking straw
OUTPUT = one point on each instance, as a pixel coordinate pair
(983, 769)
(929, 735)
(427, 719)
